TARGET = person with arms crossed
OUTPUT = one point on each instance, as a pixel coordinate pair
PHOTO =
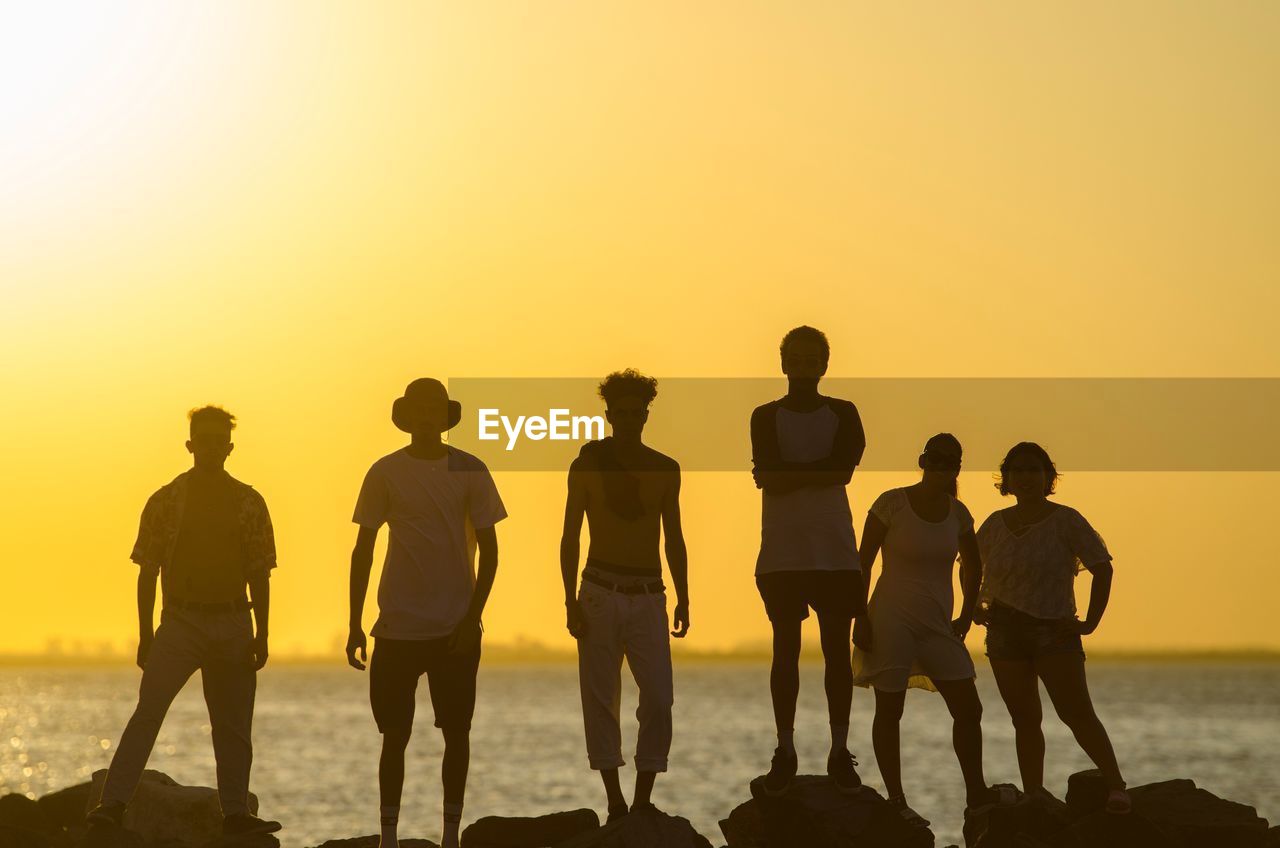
(630, 495)
(440, 504)
(804, 448)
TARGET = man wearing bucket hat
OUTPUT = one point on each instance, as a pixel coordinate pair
(440, 504)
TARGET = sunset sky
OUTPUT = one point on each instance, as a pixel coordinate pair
(293, 209)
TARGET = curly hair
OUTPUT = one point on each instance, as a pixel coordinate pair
(806, 332)
(214, 415)
(1034, 451)
(628, 383)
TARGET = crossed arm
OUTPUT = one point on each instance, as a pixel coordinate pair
(778, 476)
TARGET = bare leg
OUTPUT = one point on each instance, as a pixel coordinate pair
(839, 674)
(613, 789)
(391, 768)
(1021, 693)
(391, 784)
(453, 774)
(966, 736)
(1064, 680)
(456, 761)
(644, 788)
(784, 675)
(885, 739)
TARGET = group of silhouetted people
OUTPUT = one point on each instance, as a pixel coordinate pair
(208, 539)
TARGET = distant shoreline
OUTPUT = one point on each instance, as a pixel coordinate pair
(526, 655)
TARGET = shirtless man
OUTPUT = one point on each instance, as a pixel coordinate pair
(630, 495)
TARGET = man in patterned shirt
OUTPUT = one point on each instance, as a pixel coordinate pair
(206, 536)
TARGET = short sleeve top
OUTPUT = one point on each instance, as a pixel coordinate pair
(915, 549)
(162, 519)
(433, 508)
(1034, 569)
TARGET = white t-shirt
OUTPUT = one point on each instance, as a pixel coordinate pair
(433, 507)
(809, 529)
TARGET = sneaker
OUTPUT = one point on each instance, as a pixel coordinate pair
(781, 771)
(106, 814)
(840, 769)
(246, 825)
(909, 815)
(616, 813)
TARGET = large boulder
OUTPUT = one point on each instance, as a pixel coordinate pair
(744, 828)
(1086, 792)
(1199, 817)
(641, 829)
(1101, 830)
(1032, 817)
(371, 841)
(1171, 814)
(538, 832)
(20, 837)
(815, 814)
(66, 807)
(164, 811)
(19, 812)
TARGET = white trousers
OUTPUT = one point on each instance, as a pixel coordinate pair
(634, 627)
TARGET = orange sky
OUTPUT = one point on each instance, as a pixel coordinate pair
(294, 209)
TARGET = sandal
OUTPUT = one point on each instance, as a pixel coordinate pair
(909, 815)
(1119, 803)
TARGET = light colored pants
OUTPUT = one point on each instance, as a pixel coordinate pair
(220, 644)
(634, 627)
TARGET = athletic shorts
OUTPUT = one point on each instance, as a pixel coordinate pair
(394, 670)
(1015, 635)
(788, 595)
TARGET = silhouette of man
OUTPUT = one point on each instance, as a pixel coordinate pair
(630, 495)
(440, 504)
(804, 448)
(206, 536)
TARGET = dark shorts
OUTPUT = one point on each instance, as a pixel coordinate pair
(1014, 635)
(394, 670)
(788, 595)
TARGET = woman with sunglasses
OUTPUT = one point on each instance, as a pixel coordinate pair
(1033, 551)
(908, 639)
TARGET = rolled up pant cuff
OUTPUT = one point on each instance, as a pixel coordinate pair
(604, 763)
(651, 765)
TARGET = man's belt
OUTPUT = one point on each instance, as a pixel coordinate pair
(237, 605)
(653, 587)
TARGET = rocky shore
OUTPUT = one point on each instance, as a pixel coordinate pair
(1169, 814)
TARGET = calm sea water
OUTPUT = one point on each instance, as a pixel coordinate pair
(317, 747)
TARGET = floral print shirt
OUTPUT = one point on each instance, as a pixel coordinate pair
(162, 519)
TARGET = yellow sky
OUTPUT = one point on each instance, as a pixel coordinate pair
(294, 209)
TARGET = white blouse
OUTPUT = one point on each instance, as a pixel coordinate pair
(1034, 570)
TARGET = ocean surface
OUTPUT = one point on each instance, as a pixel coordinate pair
(316, 746)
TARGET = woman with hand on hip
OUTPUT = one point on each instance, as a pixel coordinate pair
(1032, 552)
(908, 639)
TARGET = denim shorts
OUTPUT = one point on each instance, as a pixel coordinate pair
(1014, 635)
